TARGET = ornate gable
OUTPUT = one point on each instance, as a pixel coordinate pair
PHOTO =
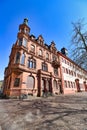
(52, 47)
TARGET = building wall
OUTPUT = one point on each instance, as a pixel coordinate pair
(70, 73)
(23, 76)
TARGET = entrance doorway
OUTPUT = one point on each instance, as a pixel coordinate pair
(77, 85)
(46, 86)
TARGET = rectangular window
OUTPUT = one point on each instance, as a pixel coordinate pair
(31, 63)
(16, 82)
(55, 71)
(54, 58)
(66, 84)
(20, 41)
(44, 67)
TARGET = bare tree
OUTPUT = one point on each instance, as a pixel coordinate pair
(79, 44)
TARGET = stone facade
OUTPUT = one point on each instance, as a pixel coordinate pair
(35, 67)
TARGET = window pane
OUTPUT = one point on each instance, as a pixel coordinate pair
(40, 52)
(17, 58)
(32, 48)
(44, 67)
(55, 71)
(24, 42)
(66, 84)
(32, 63)
(20, 42)
(16, 82)
(22, 59)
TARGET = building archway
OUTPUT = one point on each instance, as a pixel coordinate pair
(30, 82)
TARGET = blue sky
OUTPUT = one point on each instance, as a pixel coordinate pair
(50, 18)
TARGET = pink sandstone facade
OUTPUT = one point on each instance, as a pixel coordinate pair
(34, 66)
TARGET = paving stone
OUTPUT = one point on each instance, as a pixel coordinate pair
(63, 112)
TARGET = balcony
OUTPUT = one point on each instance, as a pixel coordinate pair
(55, 64)
(17, 68)
(22, 68)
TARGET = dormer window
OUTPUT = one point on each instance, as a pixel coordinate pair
(40, 39)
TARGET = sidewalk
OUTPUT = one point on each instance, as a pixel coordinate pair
(62, 112)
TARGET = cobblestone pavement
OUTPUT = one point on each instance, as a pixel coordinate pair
(63, 112)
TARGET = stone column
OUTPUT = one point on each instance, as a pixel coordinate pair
(39, 83)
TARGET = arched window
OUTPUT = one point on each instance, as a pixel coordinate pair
(40, 52)
(24, 42)
(65, 83)
(30, 82)
(17, 60)
(44, 67)
(22, 59)
(31, 63)
(32, 48)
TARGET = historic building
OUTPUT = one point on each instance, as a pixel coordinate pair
(73, 76)
(35, 67)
